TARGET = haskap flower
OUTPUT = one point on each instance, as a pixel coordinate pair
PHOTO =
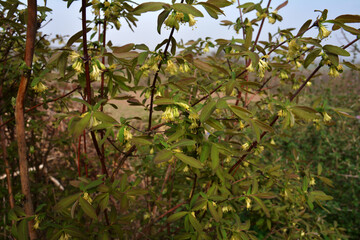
(39, 87)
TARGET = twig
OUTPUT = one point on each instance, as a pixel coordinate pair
(153, 85)
(40, 104)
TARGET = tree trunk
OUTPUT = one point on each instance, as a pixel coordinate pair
(19, 113)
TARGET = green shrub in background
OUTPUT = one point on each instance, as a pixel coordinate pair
(335, 149)
(202, 164)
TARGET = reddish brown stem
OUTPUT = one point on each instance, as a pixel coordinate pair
(19, 113)
(88, 84)
(78, 156)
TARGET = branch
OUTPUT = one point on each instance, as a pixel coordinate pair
(293, 96)
(153, 85)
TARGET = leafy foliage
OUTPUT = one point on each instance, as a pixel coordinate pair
(202, 164)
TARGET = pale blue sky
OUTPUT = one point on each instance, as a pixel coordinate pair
(67, 22)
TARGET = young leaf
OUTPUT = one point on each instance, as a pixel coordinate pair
(335, 50)
(213, 211)
(176, 216)
(262, 205)
(207, 111)
(163, 156)
(87, 208)
(189, 160)
(311, 57)
(148, 7)
(187, 8)
(214, 157)
(195, 223)
(64, 203)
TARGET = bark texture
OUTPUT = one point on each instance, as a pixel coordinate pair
(19, 113)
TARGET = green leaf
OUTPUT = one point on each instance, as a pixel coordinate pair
(161, 18)
(164, 101)
(136, 192)
(23, 230)
(207, 110)
(87, 208)
(75, 37)
(148, 7)
(65, 202)
(104, 117)
(203, 65)
(321, 196)
(311, 57)
(212, 10)
(220, 3)
(176, 216)
(205, 152)
(213, 211)
(81, 125)
(304, 27)
(214, 157)
(346, 18)
(240, 112)
(262, 205)
(183, 143)
(141, 140)
(319, 169)
(335, 50)
(189, 160)
(187, 8)
(123, 49)
(163, 156)
(75, 232)
(195, 223)
(325, 180)
(263, 126)
(304, 112)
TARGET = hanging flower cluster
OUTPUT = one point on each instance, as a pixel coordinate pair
(176, 18)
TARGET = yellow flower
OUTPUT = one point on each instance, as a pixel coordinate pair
(106, 4)
(245, 146)
(248, 203)
(78, 66)
(127, 134)
(333, 72)
(293, 49)
(179, 16)
(327, 118)
(171, 67)
(206, 49)
(74, 56)
(170, 114)
(171, 22)
(283, 75)
(95, 73)
(259, 150)
(263, 66)
(144, 67)
(309, 84)
(312, 182)
(250, 68)
(271, 20)
(184, 105)
(272, 142)
(87, 197)
(39, 87)
(323, 32)
(340, 67)
(192, 21)
(65, 236)
(241, 125)
(281, 113)
(37, 222)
